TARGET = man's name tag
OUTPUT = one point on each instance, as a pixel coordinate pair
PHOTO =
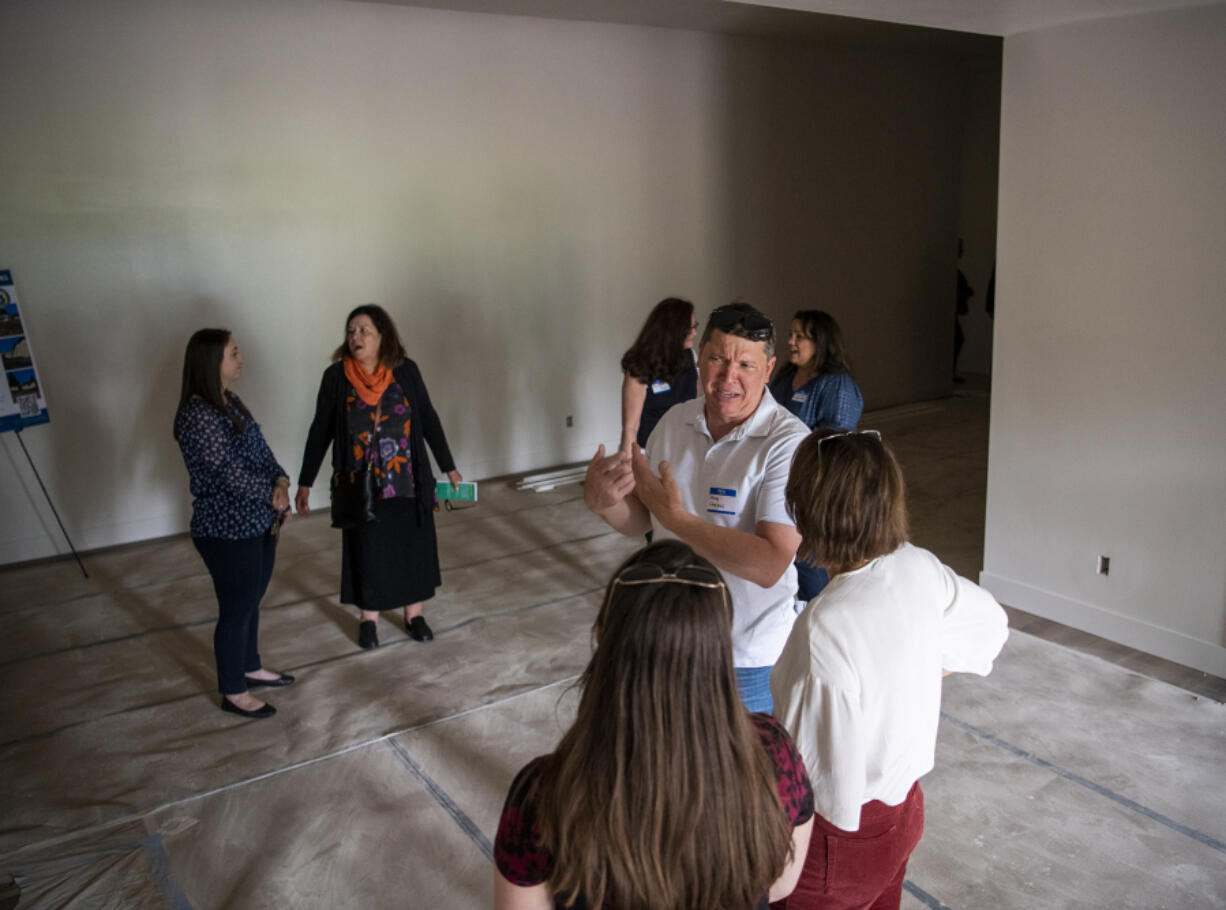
(800, 397)
(721, 501)
(660, 386)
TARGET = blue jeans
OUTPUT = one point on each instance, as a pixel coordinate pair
(754, 684)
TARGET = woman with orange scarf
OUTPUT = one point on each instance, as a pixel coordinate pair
(373, 409)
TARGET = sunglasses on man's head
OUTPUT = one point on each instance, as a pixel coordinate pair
(756, 326)
(648, 573)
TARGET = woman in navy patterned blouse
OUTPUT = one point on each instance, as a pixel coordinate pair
(241, 500)
(665, 793)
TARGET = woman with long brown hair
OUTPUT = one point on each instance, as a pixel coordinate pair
(665, 794)
(659, 369)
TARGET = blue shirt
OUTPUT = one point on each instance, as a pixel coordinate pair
(828, 401)
(232, 475)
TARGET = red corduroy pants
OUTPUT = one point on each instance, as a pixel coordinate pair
(864, 869)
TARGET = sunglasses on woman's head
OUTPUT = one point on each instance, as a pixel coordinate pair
(824, 439)
(647, 573)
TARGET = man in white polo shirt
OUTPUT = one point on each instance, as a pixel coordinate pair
(722, 464)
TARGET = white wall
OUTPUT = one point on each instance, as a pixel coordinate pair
(1108, 428)
(518, 192)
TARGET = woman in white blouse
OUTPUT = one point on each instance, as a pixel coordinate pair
(858, 684)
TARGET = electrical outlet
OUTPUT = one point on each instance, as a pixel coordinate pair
(1104, 565)
(570, 420)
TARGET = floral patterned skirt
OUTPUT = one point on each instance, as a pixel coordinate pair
(391, 562)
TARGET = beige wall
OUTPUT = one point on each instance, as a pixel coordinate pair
(1108, 429)
(516, 191)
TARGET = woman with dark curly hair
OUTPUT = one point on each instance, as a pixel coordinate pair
(375, 412)
(816, 383)
(665, 794)
(817, 387)
(660, 370)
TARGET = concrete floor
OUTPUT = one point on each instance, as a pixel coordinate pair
(1063, 780)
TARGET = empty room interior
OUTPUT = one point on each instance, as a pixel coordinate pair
(518, 182)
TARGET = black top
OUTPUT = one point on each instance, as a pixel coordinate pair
(330, 424)
(662, 394)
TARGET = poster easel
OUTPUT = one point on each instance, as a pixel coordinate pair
(21, 398)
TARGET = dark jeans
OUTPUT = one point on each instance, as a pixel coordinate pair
(241, 570)
(810, 580)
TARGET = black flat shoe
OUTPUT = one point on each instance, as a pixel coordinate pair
(266, 711)
(368, 635)
(418, 629)
(283, 680)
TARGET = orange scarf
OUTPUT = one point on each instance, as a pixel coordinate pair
(369, 386)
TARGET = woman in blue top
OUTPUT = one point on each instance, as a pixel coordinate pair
(816, 384)
(817, 387)
(660, 370)
(241, 500)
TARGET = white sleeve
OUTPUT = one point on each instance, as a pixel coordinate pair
(825, 723)
(771, 499)
(973, 627)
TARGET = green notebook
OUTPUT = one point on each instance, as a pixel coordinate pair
(466, 492)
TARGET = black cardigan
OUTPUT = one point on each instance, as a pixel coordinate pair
(424, 427)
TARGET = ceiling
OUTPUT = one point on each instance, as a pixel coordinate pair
(733, 18)
(985, 17)
(922, 23)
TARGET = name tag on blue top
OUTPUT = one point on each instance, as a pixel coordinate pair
(800, 397)
(721, 501)
(660, 386)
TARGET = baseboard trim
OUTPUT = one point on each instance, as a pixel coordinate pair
(102, 537)
(1164, 643)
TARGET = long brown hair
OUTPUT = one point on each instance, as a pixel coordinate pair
(846, 494)
(202, 377)
(659, 351)
(391, 351)
(661, 793)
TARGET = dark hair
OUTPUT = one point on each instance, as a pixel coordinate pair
(391, 351)
(661, 739)
(659, 351)
(744, 321)
(827, 338)
(846, 494)
(202, 377)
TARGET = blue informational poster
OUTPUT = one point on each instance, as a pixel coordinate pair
(21, 400)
